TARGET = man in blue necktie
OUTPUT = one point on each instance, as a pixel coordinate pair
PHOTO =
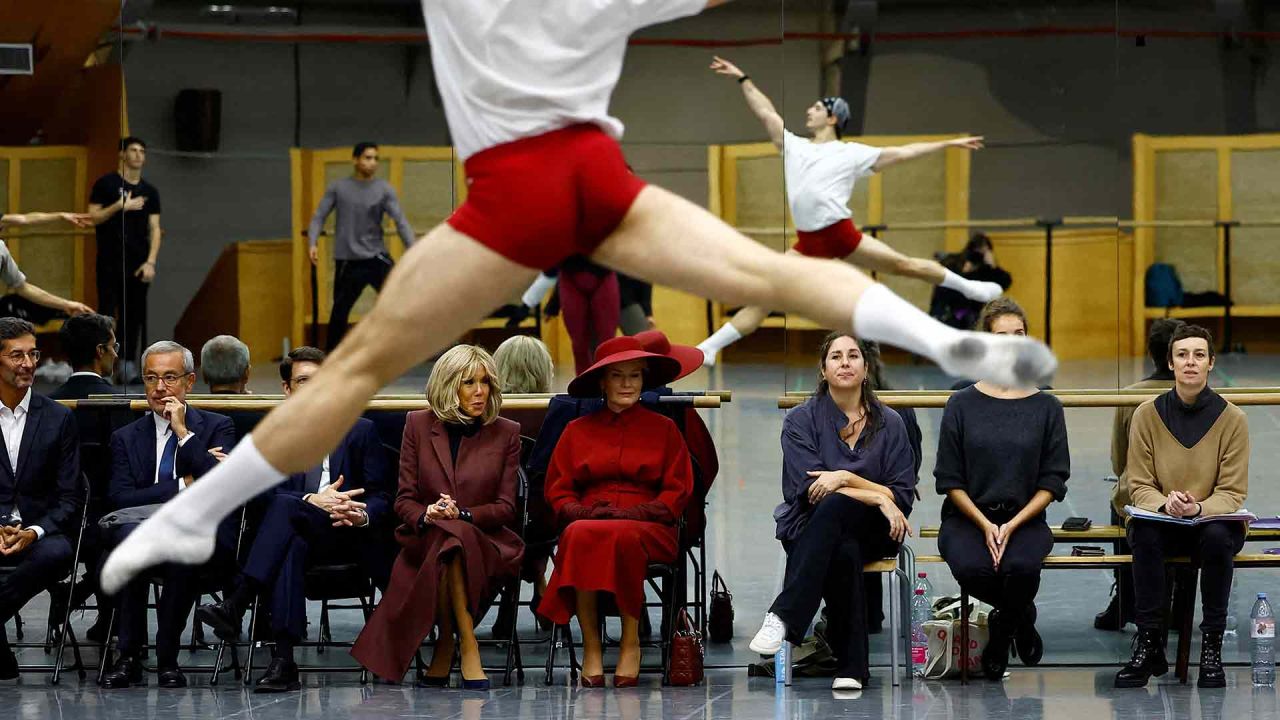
(152, 460)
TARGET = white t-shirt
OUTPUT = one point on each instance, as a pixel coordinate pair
(820, 178)
(510, 69)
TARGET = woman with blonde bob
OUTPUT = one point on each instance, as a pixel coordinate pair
(456, 503)
(525, 365)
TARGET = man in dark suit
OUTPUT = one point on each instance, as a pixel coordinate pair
(40, 500)
(224, 363)
(152, 460)
(334, 512)
(90, 343)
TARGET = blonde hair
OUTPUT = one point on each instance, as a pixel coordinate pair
(458, 364)
(524, 364)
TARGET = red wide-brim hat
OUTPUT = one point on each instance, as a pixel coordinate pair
(661, 369)
(689, 357)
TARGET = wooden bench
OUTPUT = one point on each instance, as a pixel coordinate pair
(1185, 599)
(1112, 533)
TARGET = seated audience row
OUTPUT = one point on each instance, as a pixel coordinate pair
(618, 481)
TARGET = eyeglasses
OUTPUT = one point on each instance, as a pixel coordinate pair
(168, 379)
(17, 356)
(114, 347)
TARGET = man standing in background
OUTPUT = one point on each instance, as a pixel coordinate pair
(126, 210)
(359, 253)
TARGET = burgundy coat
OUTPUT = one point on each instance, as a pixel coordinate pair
(484, 482)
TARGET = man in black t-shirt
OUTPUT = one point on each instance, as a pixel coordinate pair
(126, 210)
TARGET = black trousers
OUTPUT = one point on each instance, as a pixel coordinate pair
(123, 296)
(1211, 546)
(293, 535)
(43, 563)
(825, 564)
(1010, 588)
(350, 278)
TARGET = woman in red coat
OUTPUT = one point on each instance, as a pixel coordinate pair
(456, 501)
(617, 481)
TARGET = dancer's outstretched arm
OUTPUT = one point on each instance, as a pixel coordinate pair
(756, 100)
(898, 153)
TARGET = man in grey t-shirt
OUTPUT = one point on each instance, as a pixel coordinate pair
(359, 252)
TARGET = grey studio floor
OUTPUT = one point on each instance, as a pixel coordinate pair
(1074, 679)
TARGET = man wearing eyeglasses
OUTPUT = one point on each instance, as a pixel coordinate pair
(39, 482)
(152, 460)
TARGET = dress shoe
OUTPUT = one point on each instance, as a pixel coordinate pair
(1148, 660)
(626, 681)
(1027, 642)
(592, 681)
(1211, 674)
(481, 684)
(127, 672)
(8, 664)
(223, 617)
(171, 678)
(281, 676)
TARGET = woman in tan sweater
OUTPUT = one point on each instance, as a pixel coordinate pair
(1188, 456)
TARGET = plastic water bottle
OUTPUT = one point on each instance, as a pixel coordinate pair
(1262, 634)
(920, 614)
(922, 583)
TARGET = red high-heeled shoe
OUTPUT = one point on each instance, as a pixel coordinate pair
(592, 681)
(626, 681)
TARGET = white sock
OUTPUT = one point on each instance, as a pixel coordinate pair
(1006, 360)
(183, 530)
(976, 290)
(538, 290)
(721, 339)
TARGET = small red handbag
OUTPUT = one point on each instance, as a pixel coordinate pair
(686, 652)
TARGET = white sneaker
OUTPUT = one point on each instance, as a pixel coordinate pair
(846, 684)
(771, 636)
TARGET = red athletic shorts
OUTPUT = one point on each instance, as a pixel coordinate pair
(832, 241)
(540, 199)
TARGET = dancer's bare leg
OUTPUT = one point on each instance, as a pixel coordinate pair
(653, 243)
(448, 282)
(589, 623)
(873, 254)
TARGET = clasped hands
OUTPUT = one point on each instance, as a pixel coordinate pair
(443, 509)
(342, 509)
(1182, 505)
(15, 539)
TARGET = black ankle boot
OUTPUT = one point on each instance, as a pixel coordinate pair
(1211, 674)
(995, 656)
(1148, 660)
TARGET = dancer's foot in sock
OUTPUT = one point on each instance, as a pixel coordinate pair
(708, 357)
(159, 539)
(1006, 360)
(981, 291)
